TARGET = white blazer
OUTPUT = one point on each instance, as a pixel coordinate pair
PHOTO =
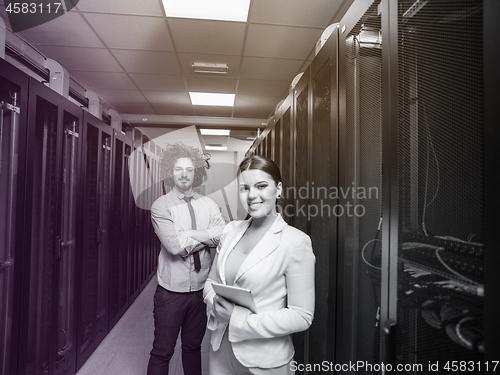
(280, 273)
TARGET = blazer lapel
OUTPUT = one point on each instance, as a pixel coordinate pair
(266, 246)
(234, 236)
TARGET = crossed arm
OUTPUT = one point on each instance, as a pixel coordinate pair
(183, 243)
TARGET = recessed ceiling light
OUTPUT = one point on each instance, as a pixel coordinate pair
(214, 131)
(206, 98)
(216, 148)
(223, 10)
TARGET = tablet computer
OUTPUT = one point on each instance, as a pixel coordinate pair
(238, 296)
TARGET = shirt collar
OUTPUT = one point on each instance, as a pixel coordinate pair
(181, 195)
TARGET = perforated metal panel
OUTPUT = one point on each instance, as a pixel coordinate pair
(88, 265)
(319, 210)
(9, 149)
(115, 251)
(360, 193)
(43, 240)
(66, 348)
(302, 154)
(440, 294)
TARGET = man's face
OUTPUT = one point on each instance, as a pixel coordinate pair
(183, 174)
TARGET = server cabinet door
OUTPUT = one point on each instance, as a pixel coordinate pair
(360, 181)
(70, 221)
(42, 230)
(301, 145)
(13, 114)
(118, 247)
(269, 147)
(323, 209)
(93, 260)
(130, 226)
(440, 287)
(286, 159)
(137, 163)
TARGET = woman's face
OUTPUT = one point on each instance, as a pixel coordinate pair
(258, 192)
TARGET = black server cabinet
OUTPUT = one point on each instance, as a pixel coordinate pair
(360, 186)
(284, 113)
(129, 222)
(322, 212)
(47, 340)
(440, 228)
(269, 145)
(13, 122)
(93, 258)
(136, 167)
(119, 231)
(302, 146)
(411, 280)
(71, 221)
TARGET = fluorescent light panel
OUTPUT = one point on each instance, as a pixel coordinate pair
(222, 10)
(214, 99)
(214, 132)
(216, 148)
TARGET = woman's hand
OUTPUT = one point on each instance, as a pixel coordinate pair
(222, 309)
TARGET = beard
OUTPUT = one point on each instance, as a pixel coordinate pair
(183, 184)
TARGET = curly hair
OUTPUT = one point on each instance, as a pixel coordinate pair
(176, 151)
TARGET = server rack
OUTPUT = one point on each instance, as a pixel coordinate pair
(66, 212)
(92, 316)
(119, 244)
(322, 214)
(416, 137)
(360, 180)
(440, 234)
(13, 123)
(303, 139)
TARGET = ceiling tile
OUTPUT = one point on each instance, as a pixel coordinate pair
(177, 98)
(281, 41)
(111, 81)
(147, 61)
(81, 58)
(116, 96)
(270, 69)
(314, 13)
(157, 82)
(149, 7)
(134, 108)
(211, 84)
(67, 30)
(202, 36)
(169, 109)
(187, 60)
(131, 32)
(201, 110)
(262, 87)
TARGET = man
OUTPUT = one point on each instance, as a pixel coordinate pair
(187, 224)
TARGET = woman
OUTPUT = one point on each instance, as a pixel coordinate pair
(273, 260)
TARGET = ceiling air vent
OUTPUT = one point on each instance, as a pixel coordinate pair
(210, 68)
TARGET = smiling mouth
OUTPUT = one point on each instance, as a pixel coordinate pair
(255, 204)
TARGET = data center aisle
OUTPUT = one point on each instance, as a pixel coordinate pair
(125, 350)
